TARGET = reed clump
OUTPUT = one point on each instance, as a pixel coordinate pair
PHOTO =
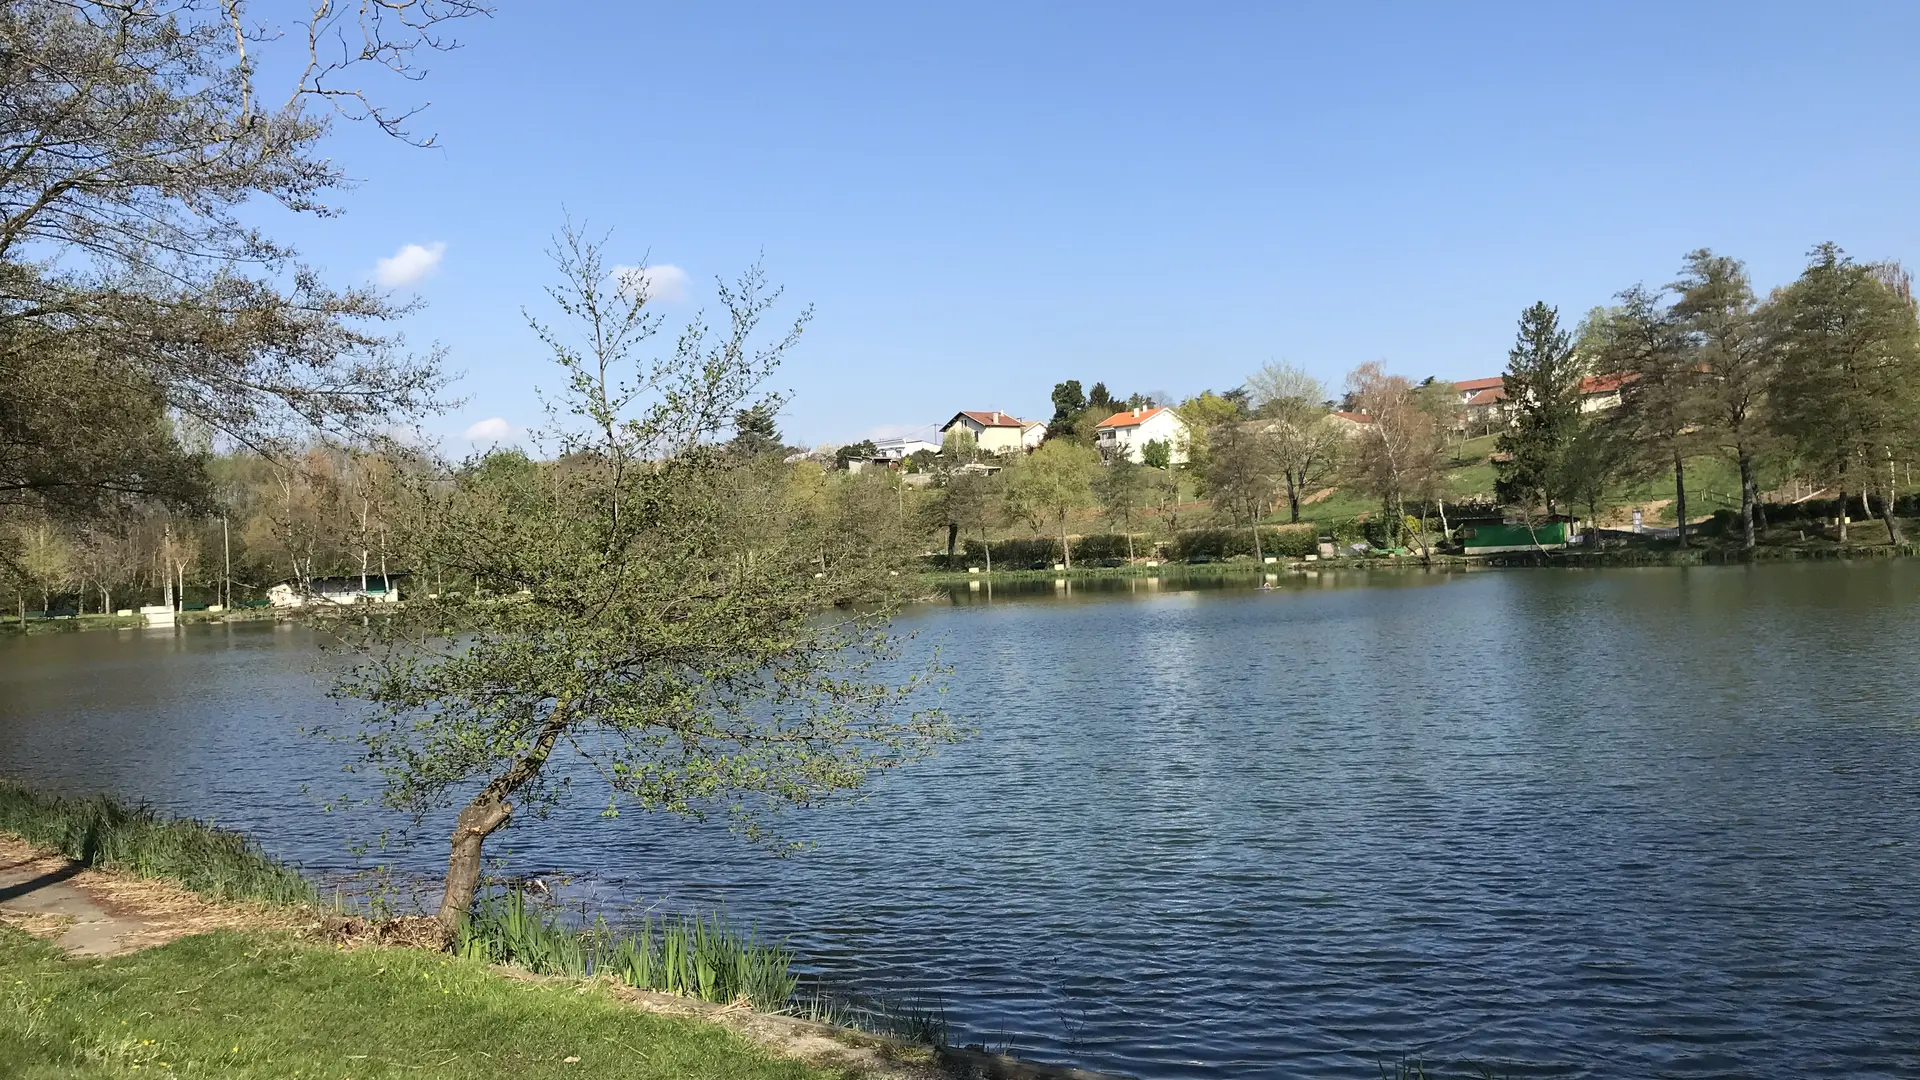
(700, 956)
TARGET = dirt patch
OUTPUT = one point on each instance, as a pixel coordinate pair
(1316, 496)
(97, 913)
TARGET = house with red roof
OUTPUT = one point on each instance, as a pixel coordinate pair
(1483, 402)
(1126, 434)
(997, 432)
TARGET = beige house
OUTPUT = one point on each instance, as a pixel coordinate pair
(998, 432)
(1127, 434)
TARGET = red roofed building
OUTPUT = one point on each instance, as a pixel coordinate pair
(1483, 402)
(1126, 434)
(998, 432)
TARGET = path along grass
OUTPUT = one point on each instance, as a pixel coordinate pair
(264, 1005)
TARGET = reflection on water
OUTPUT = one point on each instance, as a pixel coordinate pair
(1607, 823)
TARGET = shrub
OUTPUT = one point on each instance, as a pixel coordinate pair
(1285, 541)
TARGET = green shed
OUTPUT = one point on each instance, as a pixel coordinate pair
(1487, 536)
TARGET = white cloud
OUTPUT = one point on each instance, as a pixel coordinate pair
(663, 282)
(492, 430)
(409, 264)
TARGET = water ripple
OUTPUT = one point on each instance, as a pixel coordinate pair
(1636, 822)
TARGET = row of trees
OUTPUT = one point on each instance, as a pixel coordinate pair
(1820, 380)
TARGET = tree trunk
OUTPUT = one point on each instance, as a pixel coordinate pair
(1066, 549)
(481, 818)
(1842, 517)
(1293, 503)
(485, 815)
(1887, 498)
(1680, 494)
(953, 540)
(1129, 543)
(1748, 499)
(1258, 555)
(986, 545)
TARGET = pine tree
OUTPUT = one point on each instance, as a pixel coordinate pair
(1542, 384)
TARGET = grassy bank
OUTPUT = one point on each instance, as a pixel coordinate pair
(67, 1018)
(100, 833)
(262, 1005)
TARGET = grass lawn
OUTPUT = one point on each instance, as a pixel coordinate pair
(264, 1005)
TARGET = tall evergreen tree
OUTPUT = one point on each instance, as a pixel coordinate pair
(1847, 389)
(1542, 384)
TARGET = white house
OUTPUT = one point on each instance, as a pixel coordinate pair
(1128, 433)
(337, 590)
(902, 448)
(998, 432)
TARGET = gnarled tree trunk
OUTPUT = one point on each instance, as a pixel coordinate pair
(487, 814)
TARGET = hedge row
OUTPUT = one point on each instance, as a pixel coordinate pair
(1285, 541)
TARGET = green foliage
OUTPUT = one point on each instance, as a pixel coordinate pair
(862, 450)
(99, 832)
(1240, 472)
(1156, 454)
(1283, 541)
(958, 446)
(699, 956)
(642, 602)
(1543, 388)
(1069, 401)
(754, 431)
(1052, 482)
(1847, 386)
(1727, 337)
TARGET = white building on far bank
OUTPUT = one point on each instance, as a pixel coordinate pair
(902, 448)
(1129, 433)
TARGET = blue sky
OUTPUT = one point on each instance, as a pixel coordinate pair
(981, 200)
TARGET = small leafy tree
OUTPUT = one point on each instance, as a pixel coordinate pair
(1400, 455)
(959, 446)
(1121, 488)
(1241, 475)
(1054, 481)
(46, 560)
(642, 602)
(1156, 454)
(1306, 447)
(1593, 466)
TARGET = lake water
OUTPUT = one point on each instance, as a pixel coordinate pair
(1644, 822)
